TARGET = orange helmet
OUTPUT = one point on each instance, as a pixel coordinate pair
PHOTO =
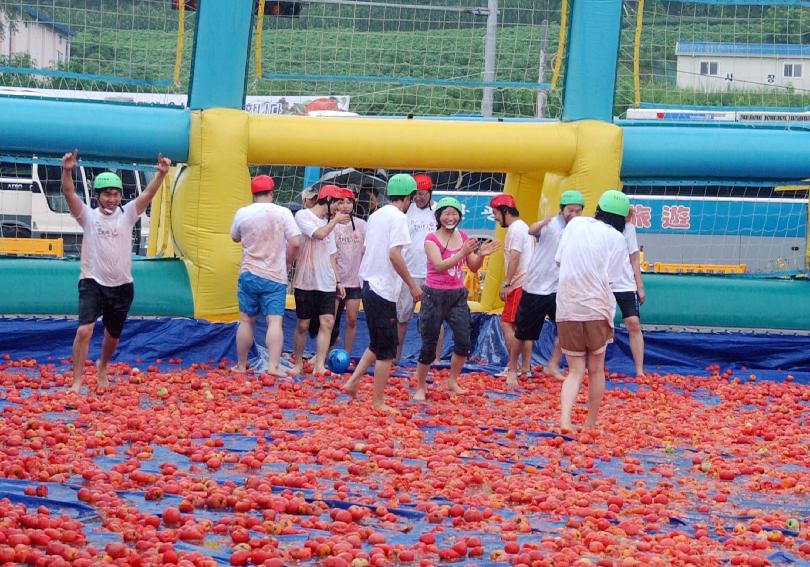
(423, 182)
(261, 184)
(503, 200)
(331, 192)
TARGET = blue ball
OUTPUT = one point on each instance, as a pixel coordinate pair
(338, 361)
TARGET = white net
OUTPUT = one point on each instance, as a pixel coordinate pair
(715, 54)
(421, 58)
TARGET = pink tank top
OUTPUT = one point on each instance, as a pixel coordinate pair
(453, 277)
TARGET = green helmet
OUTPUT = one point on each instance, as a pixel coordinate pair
(401, 185)
(449, 202)
(572, 198)
(616, 202)
(107, 180)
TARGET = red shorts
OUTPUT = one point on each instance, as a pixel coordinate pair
(511, 305)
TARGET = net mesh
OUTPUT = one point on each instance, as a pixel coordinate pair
(712, 54)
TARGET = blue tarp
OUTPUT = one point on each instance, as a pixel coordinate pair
(51, 339)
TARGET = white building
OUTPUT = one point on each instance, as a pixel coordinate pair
(24, 30)
(711, 67)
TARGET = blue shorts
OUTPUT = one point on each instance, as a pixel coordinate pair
(257, 295)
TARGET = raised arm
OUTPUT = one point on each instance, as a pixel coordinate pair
(68, 188)
(476, 259)
(434, 255)
(161, 169)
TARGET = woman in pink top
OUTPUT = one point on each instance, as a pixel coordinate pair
(445, 297)
(351, 243)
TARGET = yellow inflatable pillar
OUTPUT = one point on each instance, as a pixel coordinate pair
(597, 163)
(206, 196)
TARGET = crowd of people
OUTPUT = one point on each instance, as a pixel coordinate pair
(570, 270)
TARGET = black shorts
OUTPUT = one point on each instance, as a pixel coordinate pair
(531, 312)
(311, 303)
(110, 303)
(628, 303)
(354, 293)
(381, 319)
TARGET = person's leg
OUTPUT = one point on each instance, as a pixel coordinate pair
(439, 344)
(508, 330)
(553, 366)
(636, 339)
(244, 340)
(404, 312)
(108, 346)
(402, 332)
(458, 319)
(570, 389)
(456, 365)
(429, 324)
(515, 348)
(299, 343)
(322, 342)
(596, 386)
(274, 340)
(351, 385)
(421, 381)
(526, 357)
(382, 370)
(340, 306)
(80, 345)
(350, 330)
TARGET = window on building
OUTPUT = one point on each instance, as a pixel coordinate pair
(708, 67)
(792, 70)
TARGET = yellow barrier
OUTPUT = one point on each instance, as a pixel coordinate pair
(33, 246)
(665, 268)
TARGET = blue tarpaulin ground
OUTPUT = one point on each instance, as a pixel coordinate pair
(192, 340)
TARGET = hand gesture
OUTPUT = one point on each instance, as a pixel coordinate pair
(503, 292)
(489, 247)
(341, 291)
(69, 160)
(342, 218)
(416, 293)
(469, 246)
(641, 296)
(163, 164)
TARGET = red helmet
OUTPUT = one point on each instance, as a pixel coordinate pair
(423, 182)
(331, 192)
(348, 194)
(503, 200)
(261, 184)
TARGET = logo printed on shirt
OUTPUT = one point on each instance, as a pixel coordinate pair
(104, 230)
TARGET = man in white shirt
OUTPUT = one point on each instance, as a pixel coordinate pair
(105, 284)
(518, 246)
(383, 272)
(315, 281)
(629, 292)
(591, 255)
(421, 222)
(539, 297)
(270, 239)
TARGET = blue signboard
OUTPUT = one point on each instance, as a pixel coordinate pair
(781, 218)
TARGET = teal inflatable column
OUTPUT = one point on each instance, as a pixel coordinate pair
(220, 62)
(593, 47)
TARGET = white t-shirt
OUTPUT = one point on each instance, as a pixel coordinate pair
(590, 257)
(263, 229)
(543, 274)
(313, 269)
(107, 244)
(386, 228)
(350, 243)
(627, 280)
(421, 222)
(518, 238)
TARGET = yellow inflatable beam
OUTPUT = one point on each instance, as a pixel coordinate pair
(412, 144)
(541, 159)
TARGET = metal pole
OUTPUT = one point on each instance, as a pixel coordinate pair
(541, 75)
(490, 43)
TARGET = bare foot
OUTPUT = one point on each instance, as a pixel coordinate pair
(101, 378)
(351, 386)
(555, 372)
(566, 428)
(385, 408)
(319, 370)
(640, 375)
(588, 425)
(238, 369)
(453, 387)
(526, 372)
(295, 370)
(511, 378)
(276, 372)
(76, 387)
(419, 395)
